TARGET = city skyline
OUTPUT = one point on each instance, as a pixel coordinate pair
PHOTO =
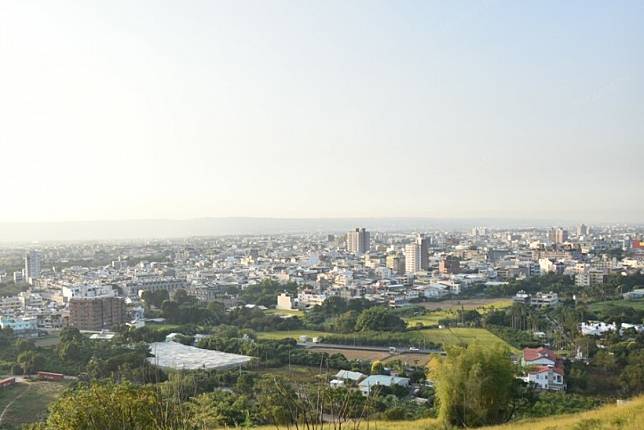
(126, 111)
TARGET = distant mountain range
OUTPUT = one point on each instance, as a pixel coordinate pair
(159, 228)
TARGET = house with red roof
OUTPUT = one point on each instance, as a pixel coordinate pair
(543, 368)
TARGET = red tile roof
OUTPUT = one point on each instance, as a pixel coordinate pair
(541, 369)
(532, 354)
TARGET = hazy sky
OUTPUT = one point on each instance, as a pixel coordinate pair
(179, 109)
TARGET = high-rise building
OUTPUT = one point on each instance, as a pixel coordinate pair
(358, 241)
(32, 266)
(449, 264)
(396, 263)
(558, 235)
(423, 243)
(413, 258)
(583, 230)
(96, 313)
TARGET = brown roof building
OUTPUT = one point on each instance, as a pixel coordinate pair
(97, 313)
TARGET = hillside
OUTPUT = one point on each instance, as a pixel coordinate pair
(627, 416)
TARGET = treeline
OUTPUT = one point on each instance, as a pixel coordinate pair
(207, 400)
(375, 338)
(275, 353)
(76, 354)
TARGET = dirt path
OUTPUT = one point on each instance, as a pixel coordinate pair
(6, 408)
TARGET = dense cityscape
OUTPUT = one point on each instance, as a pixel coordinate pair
(321, 215)
(359, 312)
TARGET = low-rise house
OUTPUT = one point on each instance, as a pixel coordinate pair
(596, 328)
(543, 368)
(381, 380)
(547, 378)
(348, 375)
(538, 357)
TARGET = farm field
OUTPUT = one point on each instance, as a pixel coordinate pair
(352, 354)
(411, 359)
(301, 374)
(456, 336)
(437, 311)
(27, 402)
(468, 304)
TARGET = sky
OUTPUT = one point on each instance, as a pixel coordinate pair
(114, 110)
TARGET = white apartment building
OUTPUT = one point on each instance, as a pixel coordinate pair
(413, 258)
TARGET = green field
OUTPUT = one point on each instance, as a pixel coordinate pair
(451, 308)
(283, 312)
(27, 402)
(163, 326)
(602, 306)
(295, 334)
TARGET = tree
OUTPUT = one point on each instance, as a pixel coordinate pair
(182, 297)
(346, 322)
(30, 361)
(155, 298)
(379, 318)
(219, 408)
(377, 367)
(170, 310)
(476, 386)
(116, 407)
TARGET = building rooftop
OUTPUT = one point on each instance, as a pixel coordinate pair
(178, 356)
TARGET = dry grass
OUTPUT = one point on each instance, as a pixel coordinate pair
(352, 354)
(628, 416)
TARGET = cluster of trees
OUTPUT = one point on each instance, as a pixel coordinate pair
(196, 401)
(378, 338)
(615, 368)
(76, 354)
(339, 315)
(265, 293)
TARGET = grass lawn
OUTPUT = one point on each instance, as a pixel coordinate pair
(30, 402)
(163, 326)
(295, 334)
(283, 312)
(602, 306)
(463, 335)
(47, 341)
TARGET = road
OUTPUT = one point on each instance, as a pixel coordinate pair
(368, 348)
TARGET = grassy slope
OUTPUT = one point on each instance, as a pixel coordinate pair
(33, 398)
(629, 416)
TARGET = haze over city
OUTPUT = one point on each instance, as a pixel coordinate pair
(171, 110)
(321, 214)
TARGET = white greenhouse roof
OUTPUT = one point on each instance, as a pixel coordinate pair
(178, 356)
